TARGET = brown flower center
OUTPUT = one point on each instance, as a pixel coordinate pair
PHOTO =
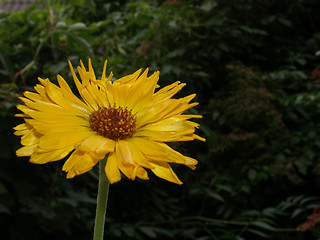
(113, 123)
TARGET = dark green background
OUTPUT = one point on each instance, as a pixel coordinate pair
(254, 67)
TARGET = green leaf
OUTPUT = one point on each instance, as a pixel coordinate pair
(203, 238)
(226, 188)
(210, 134)
(176, 53)
(4, 209)
(285, 22)
(240, 238)
(270, 212)
(173, 24)
(296, 199)
(301, 166)
(215, 196)
(208, 5)
(252, 174)
(308, 199)
(251, 213)
(149, 231)
(128, 230)
(223, 47)
(92, 5)
(86, 47)
(259, 233)
(56, 68)
(77, 26)
(215, 115)
(297, 212)
(69, 201)
(263, 225)
(6, 62)
(61, 25)
(3, 189)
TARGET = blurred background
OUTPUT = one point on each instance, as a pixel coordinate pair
(255, 67)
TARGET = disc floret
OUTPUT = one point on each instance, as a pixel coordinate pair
(114, 123)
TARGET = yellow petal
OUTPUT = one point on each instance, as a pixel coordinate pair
(163, 170)
(83, 165)
(120, 94)
(141, 173)
(199, 138)
(72, 160)
(125, 152)
(52, 141)
(22, 129)
(49, 118)
(33, 96)
(169, 125)
(169, 130)
(97, 143)
(103, 76)
(22, 126)
(45, 157)
(55, 95)
(137, 155)
(91, 72)
(156, 111)
(124, 159)
(48, 107)
(75, 78)
(79, 163)
(42, 90)
(60, 127)
(161, 152)
(142, 91)
(168, 91)
(67, 93)
(21, 132)
(129, 79)
(166, 136)
(112, 169)
(26, 151)
(31, 138)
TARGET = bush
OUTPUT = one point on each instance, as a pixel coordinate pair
(254, 68)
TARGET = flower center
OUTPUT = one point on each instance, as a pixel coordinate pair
(113, 123)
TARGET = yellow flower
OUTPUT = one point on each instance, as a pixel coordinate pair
(126, 119)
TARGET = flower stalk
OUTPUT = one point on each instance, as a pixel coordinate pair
(102, 200)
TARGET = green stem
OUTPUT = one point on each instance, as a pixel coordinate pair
(102, 201)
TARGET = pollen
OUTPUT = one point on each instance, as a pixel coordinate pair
(114, 123)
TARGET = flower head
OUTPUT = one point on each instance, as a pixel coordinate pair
(127, 119)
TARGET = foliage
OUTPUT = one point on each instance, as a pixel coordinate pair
(254, 68)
